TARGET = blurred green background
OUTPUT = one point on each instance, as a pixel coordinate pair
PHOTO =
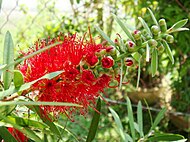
(29, 21)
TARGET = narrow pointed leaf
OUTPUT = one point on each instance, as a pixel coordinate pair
(25, 86)
(139, 72)
(145, 25)
(154, 62)
(7, 137)
(153, 17)
(131, 119)
(147, 52)
(118, 124)
(168, 51)
(158, 118)
(94, 123)
(29, 56)
(46, 120)
(125, 29)
(8, 57)
(105, 36)
(177, 25)
(178, 30)
(37, 103)
(121, 74)
(166, 137)
(140, 119)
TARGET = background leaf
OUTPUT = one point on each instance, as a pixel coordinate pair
(166, 137)
(8, 57)
(131, 119)
(125, 29)
(118, 124)
(168, 51)
(140, 119)
(154, 62)
(7, 137)
(94, 123)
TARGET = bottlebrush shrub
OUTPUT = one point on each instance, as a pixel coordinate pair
(87, 68)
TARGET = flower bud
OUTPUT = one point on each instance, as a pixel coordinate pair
(128, 61)
(160, 48)
(155, 30)
(169, 38)
(152, 43)
(91, 59)
(163, 25)
(136, 34)
(111, 50)
(100, 52)
(107, 62)
(131, 45)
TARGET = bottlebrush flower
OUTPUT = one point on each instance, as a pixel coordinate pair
(107, 62)
(19, 136)
(76, 84)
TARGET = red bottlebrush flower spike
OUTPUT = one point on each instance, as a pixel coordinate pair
(107, 62)
(19, 136)
(76, 84)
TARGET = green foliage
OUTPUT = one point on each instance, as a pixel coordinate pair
(151, 135)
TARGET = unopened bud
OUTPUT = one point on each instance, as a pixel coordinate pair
(136, 34)
(163, 25)
(152, 43)
(169, 38)
(111, 50)
(107, 62)
(155, 30)
(128, 61)
(100, 52)
(131, 45)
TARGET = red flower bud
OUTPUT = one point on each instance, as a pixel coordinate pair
(88, 76)
(107, 62)
(91, 59)
(128, 61)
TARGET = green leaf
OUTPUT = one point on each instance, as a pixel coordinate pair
(37, 103)
(145, 25)
(8, 57)
(18, 78)
(5, 110)
(0, 5)
(168, 51)
(125, 29)
(179, 29)
(166, 137)
(153, 17)
(25, 86)
(136, 56)
(128, 138)
(46, 120)
(139, 72)
(154, 62)
(27, 122)
(140, 119)
(118, 124)
(29, 133)
(131, 119)
(30, 55)
(159, 117)
(94, 123)
(121, 74)
(177, 25)
(7, 137)
(105, 36)
(147, 52)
